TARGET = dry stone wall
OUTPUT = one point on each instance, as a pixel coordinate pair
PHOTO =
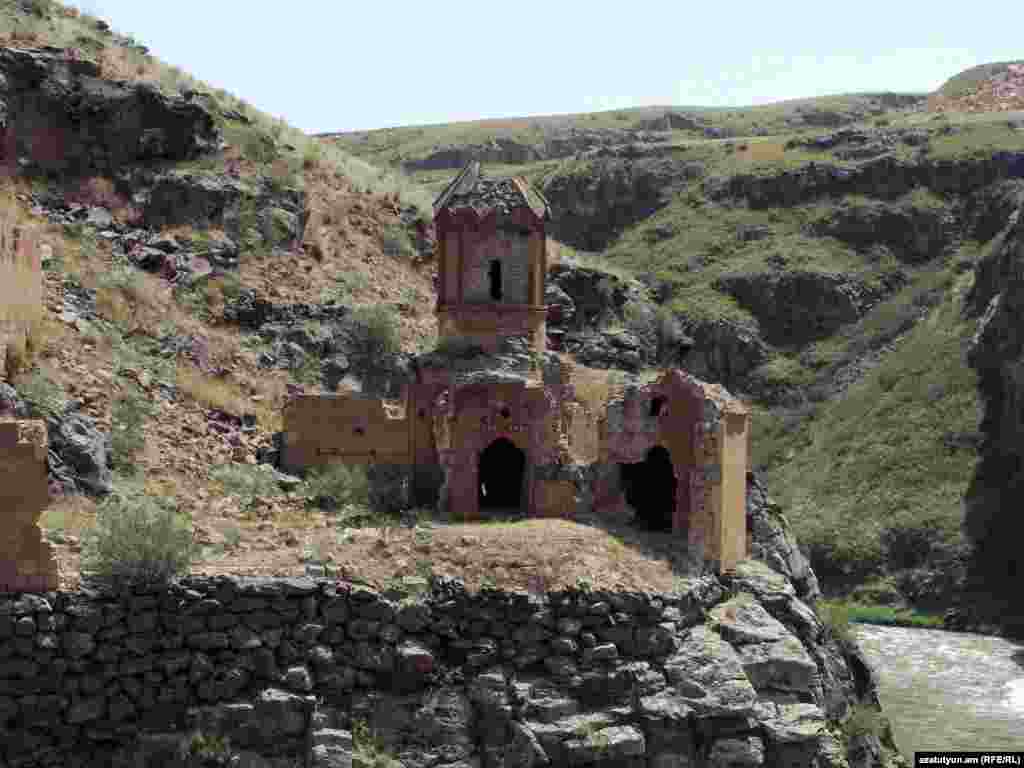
(286, 670)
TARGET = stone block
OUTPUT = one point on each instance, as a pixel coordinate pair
(27, 562)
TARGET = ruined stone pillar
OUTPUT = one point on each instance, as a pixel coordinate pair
(27, 562)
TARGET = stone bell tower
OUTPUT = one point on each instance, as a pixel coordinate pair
(493, 259)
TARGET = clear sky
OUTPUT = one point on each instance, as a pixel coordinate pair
(338, 65)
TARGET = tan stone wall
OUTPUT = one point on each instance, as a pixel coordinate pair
(554, 498)
(732, 536)
(487, 324)
(320, 429)
(582, 433)
(21, 286)
(27, 562)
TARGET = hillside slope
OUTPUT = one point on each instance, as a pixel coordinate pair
(176, 221)
(813, 257)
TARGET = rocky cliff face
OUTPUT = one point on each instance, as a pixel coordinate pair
(60, 117)
(883, 177)
(592, 208)
(996, 352)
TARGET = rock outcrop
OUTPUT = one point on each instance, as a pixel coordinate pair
(915, 233)
(723, 351)
(575, 141)
(883, 177)
(798, 307)
(591, 209)
(60, 117)
(991, 519)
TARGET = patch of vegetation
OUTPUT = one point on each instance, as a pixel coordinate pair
(138, 539)
(346, 285)
(209, 747)
(396, 242)
(886, 615)
(43, 395)
(871, 466)
(130, 411)
(246, 481)
(339, 486)
(375, 334)
(369, 749)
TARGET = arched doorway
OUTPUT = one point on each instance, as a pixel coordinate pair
(650, 488)
(501, 476)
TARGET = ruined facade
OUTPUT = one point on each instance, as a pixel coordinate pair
(492, 423)
(27, 562)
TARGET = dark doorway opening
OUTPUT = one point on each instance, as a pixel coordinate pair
(501, 475)
(650, 488)
(495, 277)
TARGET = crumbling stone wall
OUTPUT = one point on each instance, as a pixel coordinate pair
(736, 668)
(320, 429)
(27, 562)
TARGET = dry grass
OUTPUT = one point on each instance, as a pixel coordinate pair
(210, 391)
(536, 554)
(70, 515)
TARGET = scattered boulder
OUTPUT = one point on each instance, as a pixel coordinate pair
(83, 449)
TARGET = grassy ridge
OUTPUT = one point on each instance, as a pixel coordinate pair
(869, 482)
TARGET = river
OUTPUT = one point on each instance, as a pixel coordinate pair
(948, 690)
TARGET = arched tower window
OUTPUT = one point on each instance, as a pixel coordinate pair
(495, 275)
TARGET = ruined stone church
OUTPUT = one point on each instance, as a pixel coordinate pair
(492, 422)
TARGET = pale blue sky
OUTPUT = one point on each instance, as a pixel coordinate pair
(335, 65)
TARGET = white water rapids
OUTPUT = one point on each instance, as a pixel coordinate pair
(948, 690)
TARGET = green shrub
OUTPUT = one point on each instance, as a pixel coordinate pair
(129, 413)
(374, 333)
(138, 539)
(44, 396)
(40, 8)
(339, 485)
(395, 241)
(208, 747)
(368, 748)
(246, 481)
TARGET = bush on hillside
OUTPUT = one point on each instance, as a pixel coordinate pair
(44, 396)
(138, 539)
(248, 482)
(128, 414)
(395, 241)
(375, 332)
(338, 485)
